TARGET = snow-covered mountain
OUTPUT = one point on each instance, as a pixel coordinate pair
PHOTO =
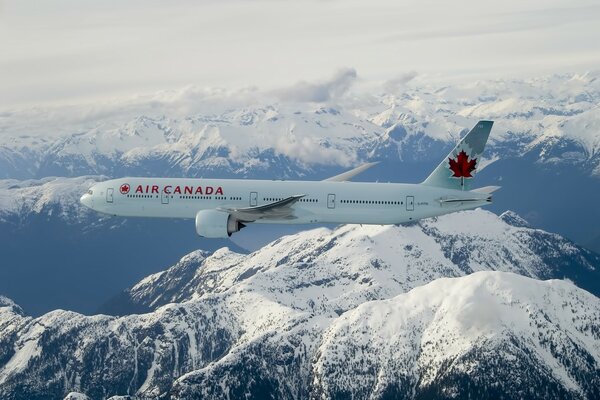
(39, 196)
(543, 152)
(280, 322)
(247, 141)
(382, 260)
(487, 335)
(555, 117)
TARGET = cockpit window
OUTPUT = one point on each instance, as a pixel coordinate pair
(90, 192)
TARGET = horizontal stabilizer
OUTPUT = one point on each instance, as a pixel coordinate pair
(445, 201)
(486, 189)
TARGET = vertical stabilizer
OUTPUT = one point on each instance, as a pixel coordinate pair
(459, 167)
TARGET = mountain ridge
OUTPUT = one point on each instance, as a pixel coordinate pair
(227, 324)
(554, 117)
(451, 245)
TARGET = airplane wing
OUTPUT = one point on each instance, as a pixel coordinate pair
(281, 209)
(346, 176)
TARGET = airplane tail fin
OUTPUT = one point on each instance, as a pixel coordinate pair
(455, 171)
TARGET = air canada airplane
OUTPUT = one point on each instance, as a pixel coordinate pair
(224, 206)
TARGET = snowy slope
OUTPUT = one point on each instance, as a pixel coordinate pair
(260, 324)
(367, 262)
(36, 196)
(235, 141)
(489, 333)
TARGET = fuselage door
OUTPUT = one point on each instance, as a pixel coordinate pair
(410, 203)
(331, 200)
(164, 198)
(253, 199)
(109, 195)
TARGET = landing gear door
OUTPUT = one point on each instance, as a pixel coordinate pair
(410, 203)
(253, 199)
(109, 195)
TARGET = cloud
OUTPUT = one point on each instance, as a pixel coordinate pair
(319, 92)
(55, 120)
(396, 84)
(67, 51)
(309, 150)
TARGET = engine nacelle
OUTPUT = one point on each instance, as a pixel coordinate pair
(216, 224)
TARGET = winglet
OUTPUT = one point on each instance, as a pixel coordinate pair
(346, 176)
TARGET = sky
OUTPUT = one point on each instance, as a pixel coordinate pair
(67, 51)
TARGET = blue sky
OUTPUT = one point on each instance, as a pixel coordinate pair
(66, 51)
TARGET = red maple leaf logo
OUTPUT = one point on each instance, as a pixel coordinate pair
(462, 167)
(124, 188)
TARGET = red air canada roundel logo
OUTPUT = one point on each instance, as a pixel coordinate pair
(461, 166)
(124, 188)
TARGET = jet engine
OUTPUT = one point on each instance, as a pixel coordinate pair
(216, 224)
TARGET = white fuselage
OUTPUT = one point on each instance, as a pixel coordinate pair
(324, 201)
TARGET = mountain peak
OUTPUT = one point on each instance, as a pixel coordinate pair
(5, 302)
(514, 219)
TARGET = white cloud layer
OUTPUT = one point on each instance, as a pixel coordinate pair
(61, 51)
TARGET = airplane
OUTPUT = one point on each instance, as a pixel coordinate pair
(222, 207)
